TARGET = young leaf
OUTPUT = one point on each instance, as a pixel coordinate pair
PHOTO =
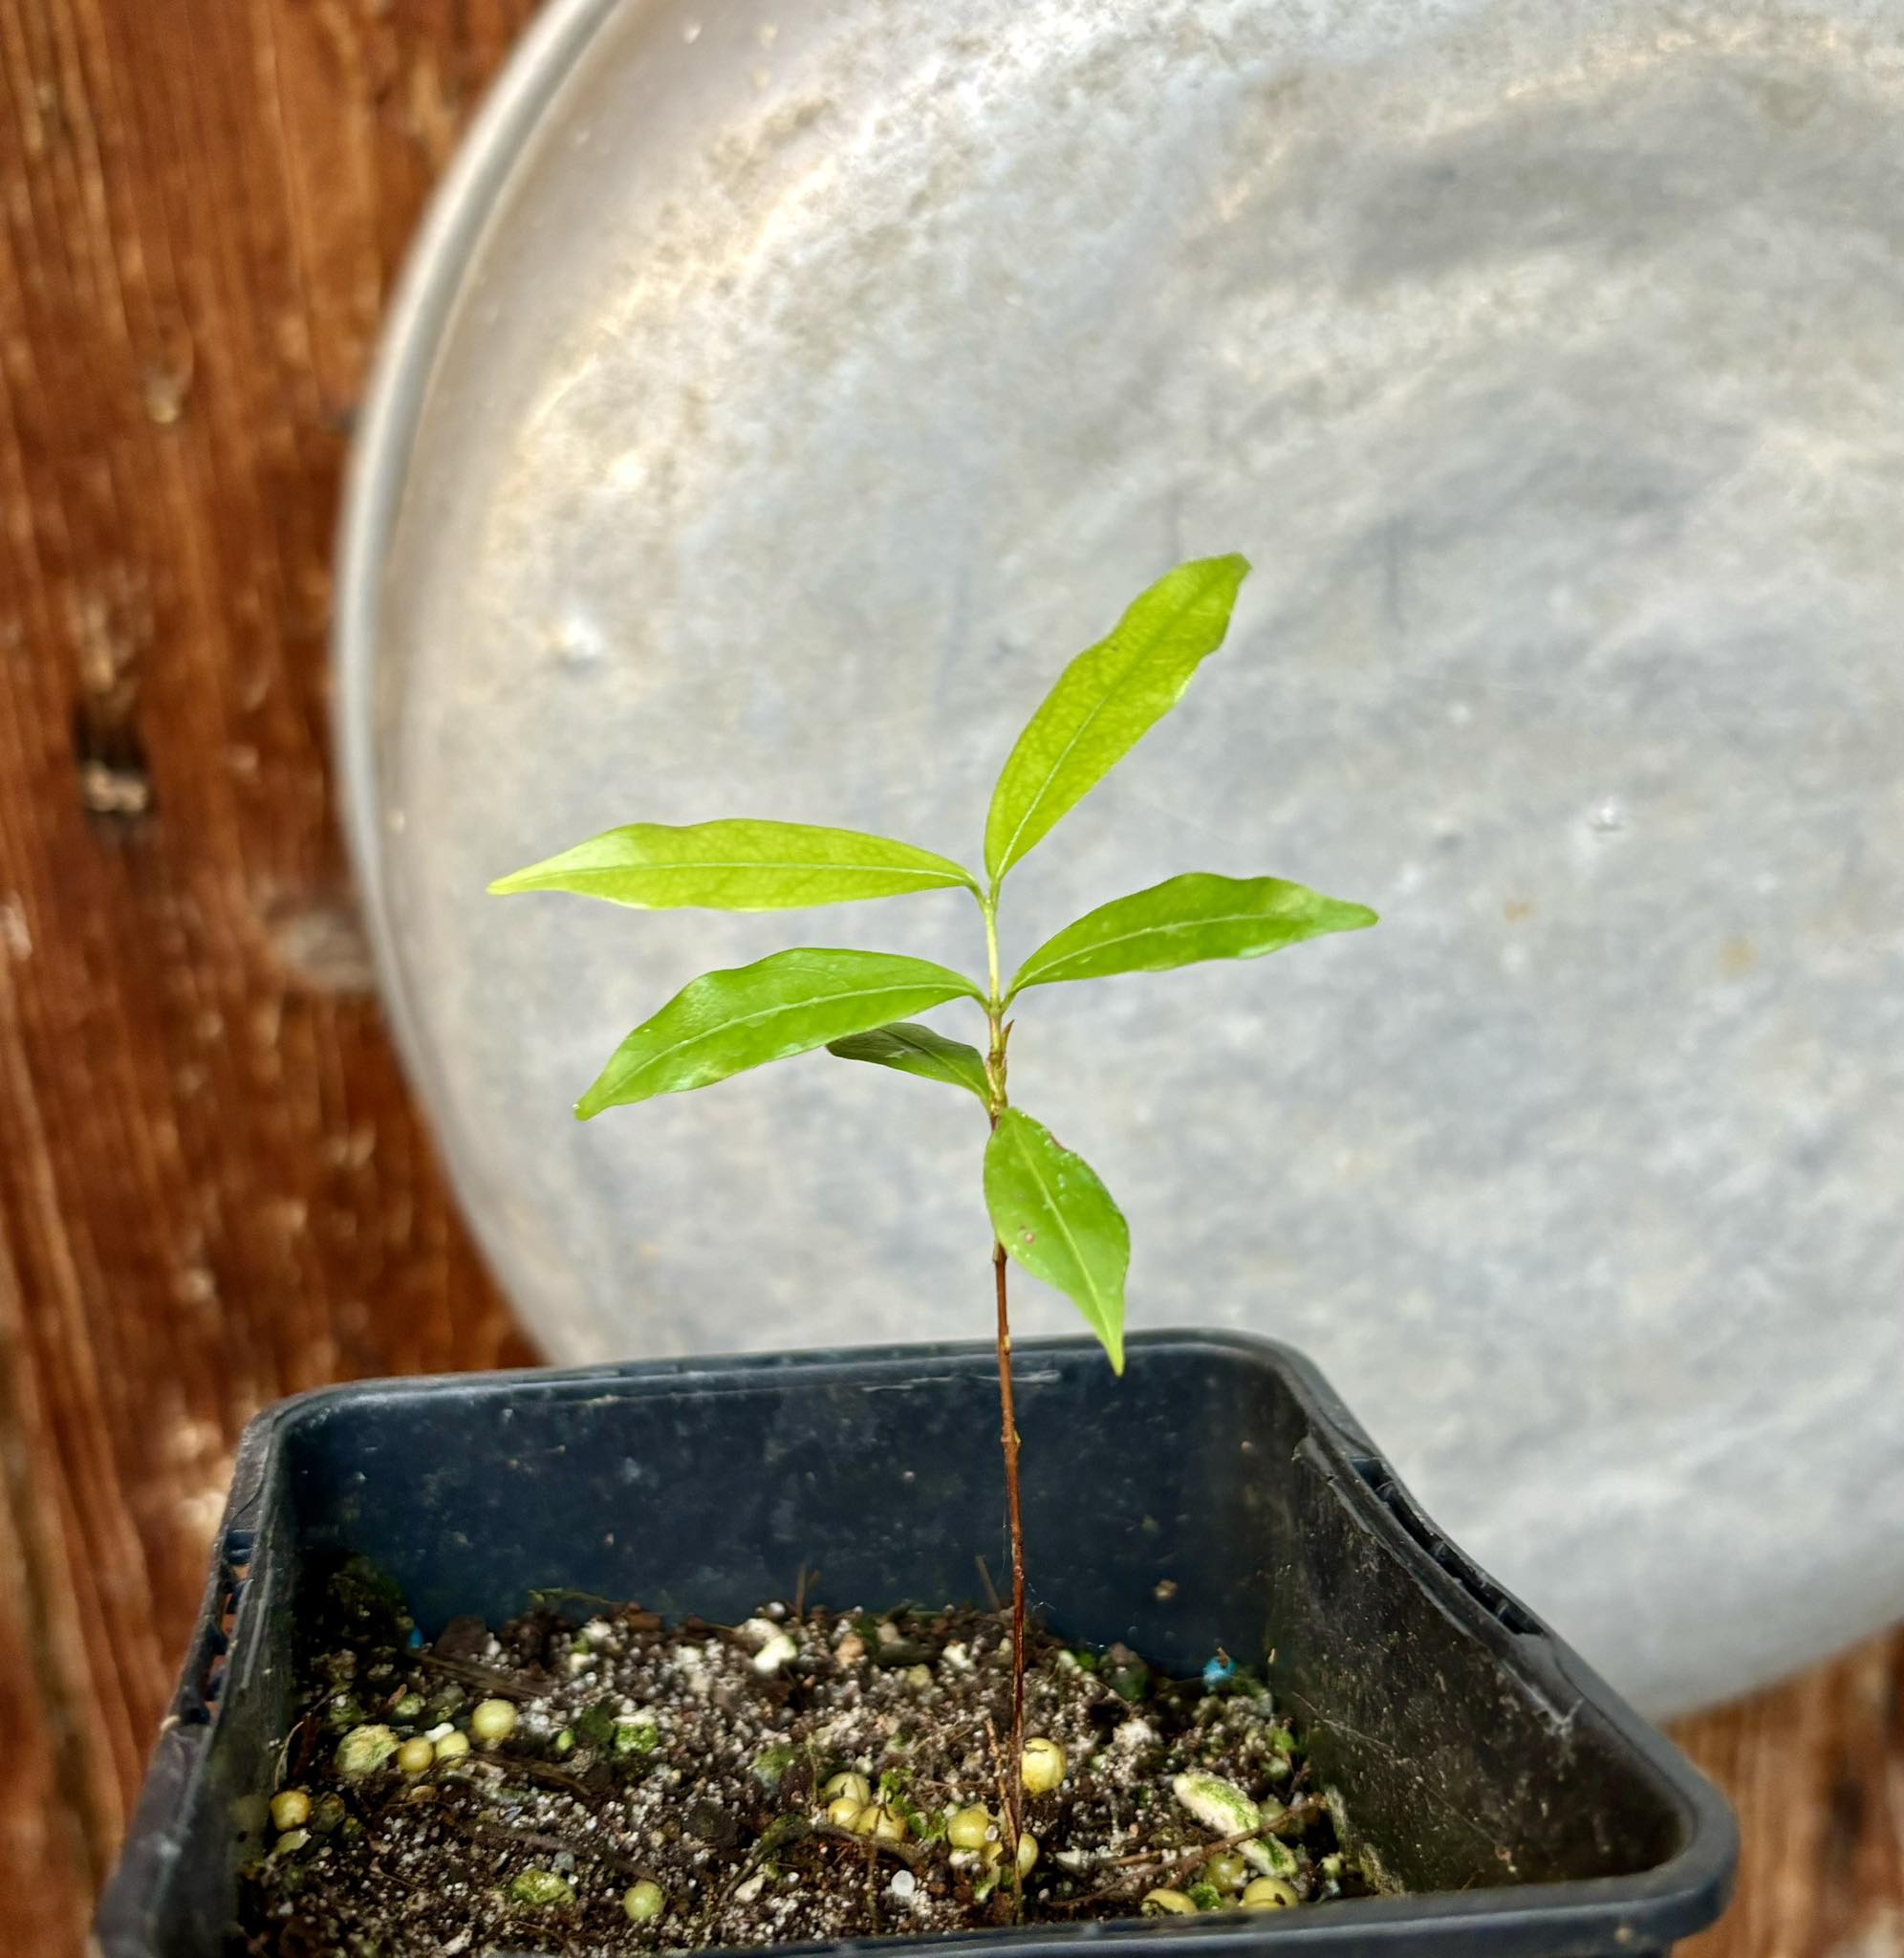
(1185, 920)
(916, 1050)
(1107, 699)
(724, 1022)
(1053, 1216)
(738, 865)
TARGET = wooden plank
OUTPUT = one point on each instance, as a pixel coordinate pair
(51, 1831)
(213, 1188)
(1815, 1769)
(45, 1851)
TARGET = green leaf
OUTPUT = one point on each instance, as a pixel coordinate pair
(1053, 1217)
(738, 865)
(1183, 921)
(724, 1022)
(1107, 699)
(916, 1050)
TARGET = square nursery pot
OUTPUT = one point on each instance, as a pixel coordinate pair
(1218, 1494)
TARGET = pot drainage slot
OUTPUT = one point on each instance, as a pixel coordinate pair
(1380, 1480)
(205, 1678)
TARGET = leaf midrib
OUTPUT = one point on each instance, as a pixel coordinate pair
(1006, 856)
(1033, 971)
(791, 1006)
(601, 871)
(931, 1057)
(1050, 1203)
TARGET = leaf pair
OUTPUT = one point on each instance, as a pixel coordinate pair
(726, 1022)
(1047, 1208)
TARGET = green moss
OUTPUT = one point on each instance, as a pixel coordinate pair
(594, 1724)
(636, 1738)
(771, 1763)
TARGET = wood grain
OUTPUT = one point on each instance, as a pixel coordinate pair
(1816, 1771)
(213, 1188)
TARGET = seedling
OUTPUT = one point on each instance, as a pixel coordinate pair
(1049, 1209)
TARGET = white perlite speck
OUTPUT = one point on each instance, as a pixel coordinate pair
(775, 1653)
(1132, 1734)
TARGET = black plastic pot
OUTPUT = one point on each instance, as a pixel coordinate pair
(1218, 1494)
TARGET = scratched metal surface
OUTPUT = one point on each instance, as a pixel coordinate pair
(786, 390)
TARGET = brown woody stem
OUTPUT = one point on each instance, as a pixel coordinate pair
(1015, 1770)
(1013, 1778)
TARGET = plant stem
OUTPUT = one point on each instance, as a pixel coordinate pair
(1010, 1423)
(1015, 1776)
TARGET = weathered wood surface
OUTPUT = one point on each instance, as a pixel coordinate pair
(214, 1188)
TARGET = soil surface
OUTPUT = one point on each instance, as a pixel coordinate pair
(669, 1787)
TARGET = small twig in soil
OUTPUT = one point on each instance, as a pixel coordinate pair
(1298, 1815)
(1111, 1893)
(1203, 1850)
(300, 1750)
(547, 1930)
(706, 1628)
(717, 1902)
(390, 1872)
(1175, 1861)
(1119, 1892)
(800, 1590)
(556, 1778)
(480, 1831)
(747, 1867)
(991, 1590)
(550, 1595)
(504, 1686)
(829, 1832)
